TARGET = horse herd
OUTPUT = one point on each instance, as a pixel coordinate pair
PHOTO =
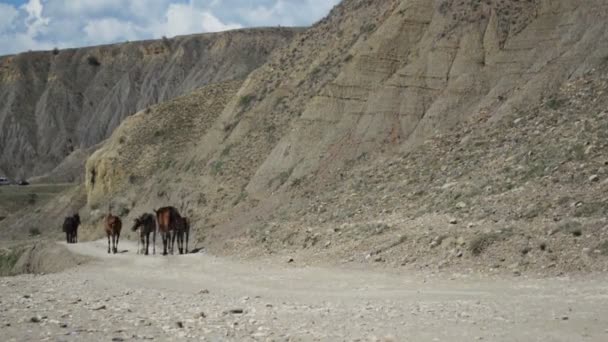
(168, 222)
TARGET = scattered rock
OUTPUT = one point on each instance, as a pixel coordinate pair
(35, 319)
(453, 221)
(437, 241)
(200, 315)
(117, 339)
(63, 325)
(565, 318)
(594, 178)
(26, 296)
(235, 311)
(203, 291)
(179, 324)
(461, 205)
(103, 307)
(290, 260)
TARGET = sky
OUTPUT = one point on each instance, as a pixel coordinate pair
(46, 24)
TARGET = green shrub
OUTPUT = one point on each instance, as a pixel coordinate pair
(367, 28)
(8, 259)
(246, 100)
(555, 104)
(93, 61)
(216, 167)
(480, 243)
(32, 199)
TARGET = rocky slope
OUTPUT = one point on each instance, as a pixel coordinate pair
(414, 132)
(60, 103)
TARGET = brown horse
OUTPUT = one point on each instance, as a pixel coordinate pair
(171, 225)
(70, 228)
(113, 225)
(146, 224)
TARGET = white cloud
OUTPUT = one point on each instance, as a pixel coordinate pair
(34, 21)
(44, 24)
(288, 12)
(186, 19)
(7, 17)
(107, 30)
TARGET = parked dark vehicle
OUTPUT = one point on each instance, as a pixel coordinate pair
(23, 182)
(4, 181)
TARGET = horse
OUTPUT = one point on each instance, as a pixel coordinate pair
(182, 228)
(146, 224)
(112, 227)
(170, 225)
(70, 228)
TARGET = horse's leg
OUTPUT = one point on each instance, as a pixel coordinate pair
(140, 241)
(187, 237)
(172, 237)
(180, 242)
(116, 246)
(167, 242)
(177, 236)
(67, 236)
(154, 241)
(147, 242)
(163, 235)
(76, 235)
(108, 234)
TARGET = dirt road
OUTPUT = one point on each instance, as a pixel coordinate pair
(198, 297)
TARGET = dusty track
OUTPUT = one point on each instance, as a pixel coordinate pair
(133, 297)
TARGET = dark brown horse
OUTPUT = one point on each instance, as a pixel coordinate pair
(146, 224)
(112, 227)
(172, 226)
(182, 229)
(70, 228)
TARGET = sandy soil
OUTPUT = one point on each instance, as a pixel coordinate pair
(200, 297)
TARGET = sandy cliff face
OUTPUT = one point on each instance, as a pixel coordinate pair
(56, 102)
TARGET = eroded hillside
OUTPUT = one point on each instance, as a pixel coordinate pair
(411, 132)
(60, 103)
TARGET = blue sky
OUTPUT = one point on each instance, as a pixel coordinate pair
(45, 24)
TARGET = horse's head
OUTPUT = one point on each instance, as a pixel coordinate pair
(136, 224)
(77, 218)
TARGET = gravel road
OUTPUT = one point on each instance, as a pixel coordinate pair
(128, 297)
